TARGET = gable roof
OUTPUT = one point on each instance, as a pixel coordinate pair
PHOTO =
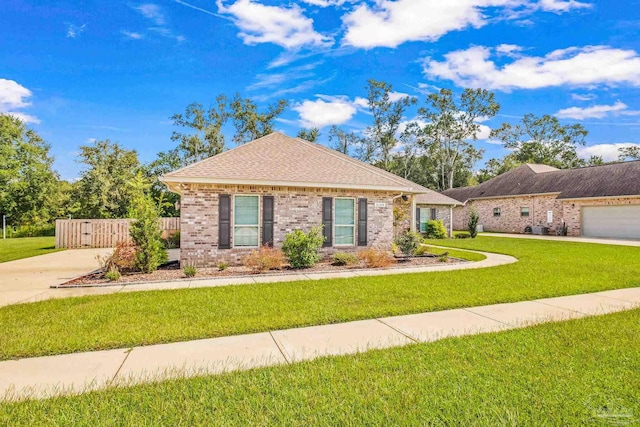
(279, 160)
(615, 179)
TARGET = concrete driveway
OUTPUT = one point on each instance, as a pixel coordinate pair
(29, 279)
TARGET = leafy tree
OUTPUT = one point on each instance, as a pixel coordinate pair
(343, 141)
(310, 135)
(629, 153)
(165, 200)
(495, 167)
(207, 138)
(451, 125)
(387, 116)
(29, 194)
(543, 140)
(103, 190)
(250, 124)
(145, 230)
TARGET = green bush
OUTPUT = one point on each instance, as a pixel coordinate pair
(113, 275)
(302, 248)
(472, 225)
(344, 258)
(409, 242)
(222, 266)
(436, 229)
(421, 250)
(190, 270)
(146, 235)
(462, 235)
(46, 230)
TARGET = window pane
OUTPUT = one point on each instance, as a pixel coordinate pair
(424, 217)
(344, 235)
(245, 236)
(345, 212)
(245, 210)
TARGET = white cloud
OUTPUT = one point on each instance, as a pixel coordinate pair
(152, 11)
(326, 3)
(284, 26)
(73, 30)
(584, 97)
(593, 112)
(508, 49)
(327, 110)
(609, 152)
(14, 96)
(391, 23)
(132, 35)
(574, 66)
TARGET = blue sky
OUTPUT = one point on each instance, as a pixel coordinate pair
(84, 70)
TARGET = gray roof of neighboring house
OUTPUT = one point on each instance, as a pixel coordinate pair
(279, 160)
(615, 179)
(433, 198)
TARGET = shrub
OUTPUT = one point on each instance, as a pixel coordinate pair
(436, 229)
(123, 257)
(462, 236)
(394, 248)
(190, 270)
(113, 275)
(421, 250)
(172, 241)
(344, 258)
(264, 259)
(472, 225)
(374, 258)
(409, 242)
(444, 257)
(146, 235)
(222, 266)
(46, 230)
(302, 248)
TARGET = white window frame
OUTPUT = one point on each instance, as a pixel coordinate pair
(528, 212)
(233, 221)
(428, 218)
(355, 219)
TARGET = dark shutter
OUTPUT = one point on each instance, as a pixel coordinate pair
(362, 222)
(224, 221)
(327, 221)
(434, 214)
(418, 220)
(267, 220)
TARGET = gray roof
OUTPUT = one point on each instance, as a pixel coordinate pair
(279, 160)
(615, 179)
(433, 198)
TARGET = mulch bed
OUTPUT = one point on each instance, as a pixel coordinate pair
(172, 271)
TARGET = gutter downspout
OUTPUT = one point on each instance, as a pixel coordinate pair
(451, 221)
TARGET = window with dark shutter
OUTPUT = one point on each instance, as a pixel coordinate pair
(224, 221)
(327, 221)
(418, 219)
(434, 214)
(267, 220)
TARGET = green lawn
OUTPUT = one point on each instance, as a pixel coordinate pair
(581, 372)
(25, 247)
(545, 269)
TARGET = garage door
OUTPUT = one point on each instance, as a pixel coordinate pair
(611, 221)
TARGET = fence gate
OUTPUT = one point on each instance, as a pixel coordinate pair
(86, 231)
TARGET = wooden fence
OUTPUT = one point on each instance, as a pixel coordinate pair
(102, 233)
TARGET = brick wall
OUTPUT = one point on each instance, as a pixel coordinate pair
(443, 213)
(295, 208)
(572, 209)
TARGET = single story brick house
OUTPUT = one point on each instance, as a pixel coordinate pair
(595, 201)
(256, 193)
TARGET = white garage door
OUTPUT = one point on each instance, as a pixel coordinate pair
(611, 221)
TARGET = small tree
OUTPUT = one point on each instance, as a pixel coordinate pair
(145, 232)
(472, 225)
(302, 248)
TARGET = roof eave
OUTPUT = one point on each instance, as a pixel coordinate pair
(172, 182)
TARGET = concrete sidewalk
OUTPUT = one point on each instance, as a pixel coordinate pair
(600, 241)
(75, 373)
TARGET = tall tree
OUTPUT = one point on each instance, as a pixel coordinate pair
(629, 153)
(206, 137)
(310, 135)
(343, 141)
(104, 189)
(387, 116)
(251, 124)
(543, 140)
(164, 163)
(450, 128)
(29, 194)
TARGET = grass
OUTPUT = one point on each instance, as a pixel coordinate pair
(580, 372)
(465, 255)
(546, 269)
(25, 247)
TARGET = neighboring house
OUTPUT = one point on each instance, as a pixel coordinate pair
(595, 201)
(256, 193)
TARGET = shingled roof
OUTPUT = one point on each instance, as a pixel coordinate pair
(615, 179)
(279, 160)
